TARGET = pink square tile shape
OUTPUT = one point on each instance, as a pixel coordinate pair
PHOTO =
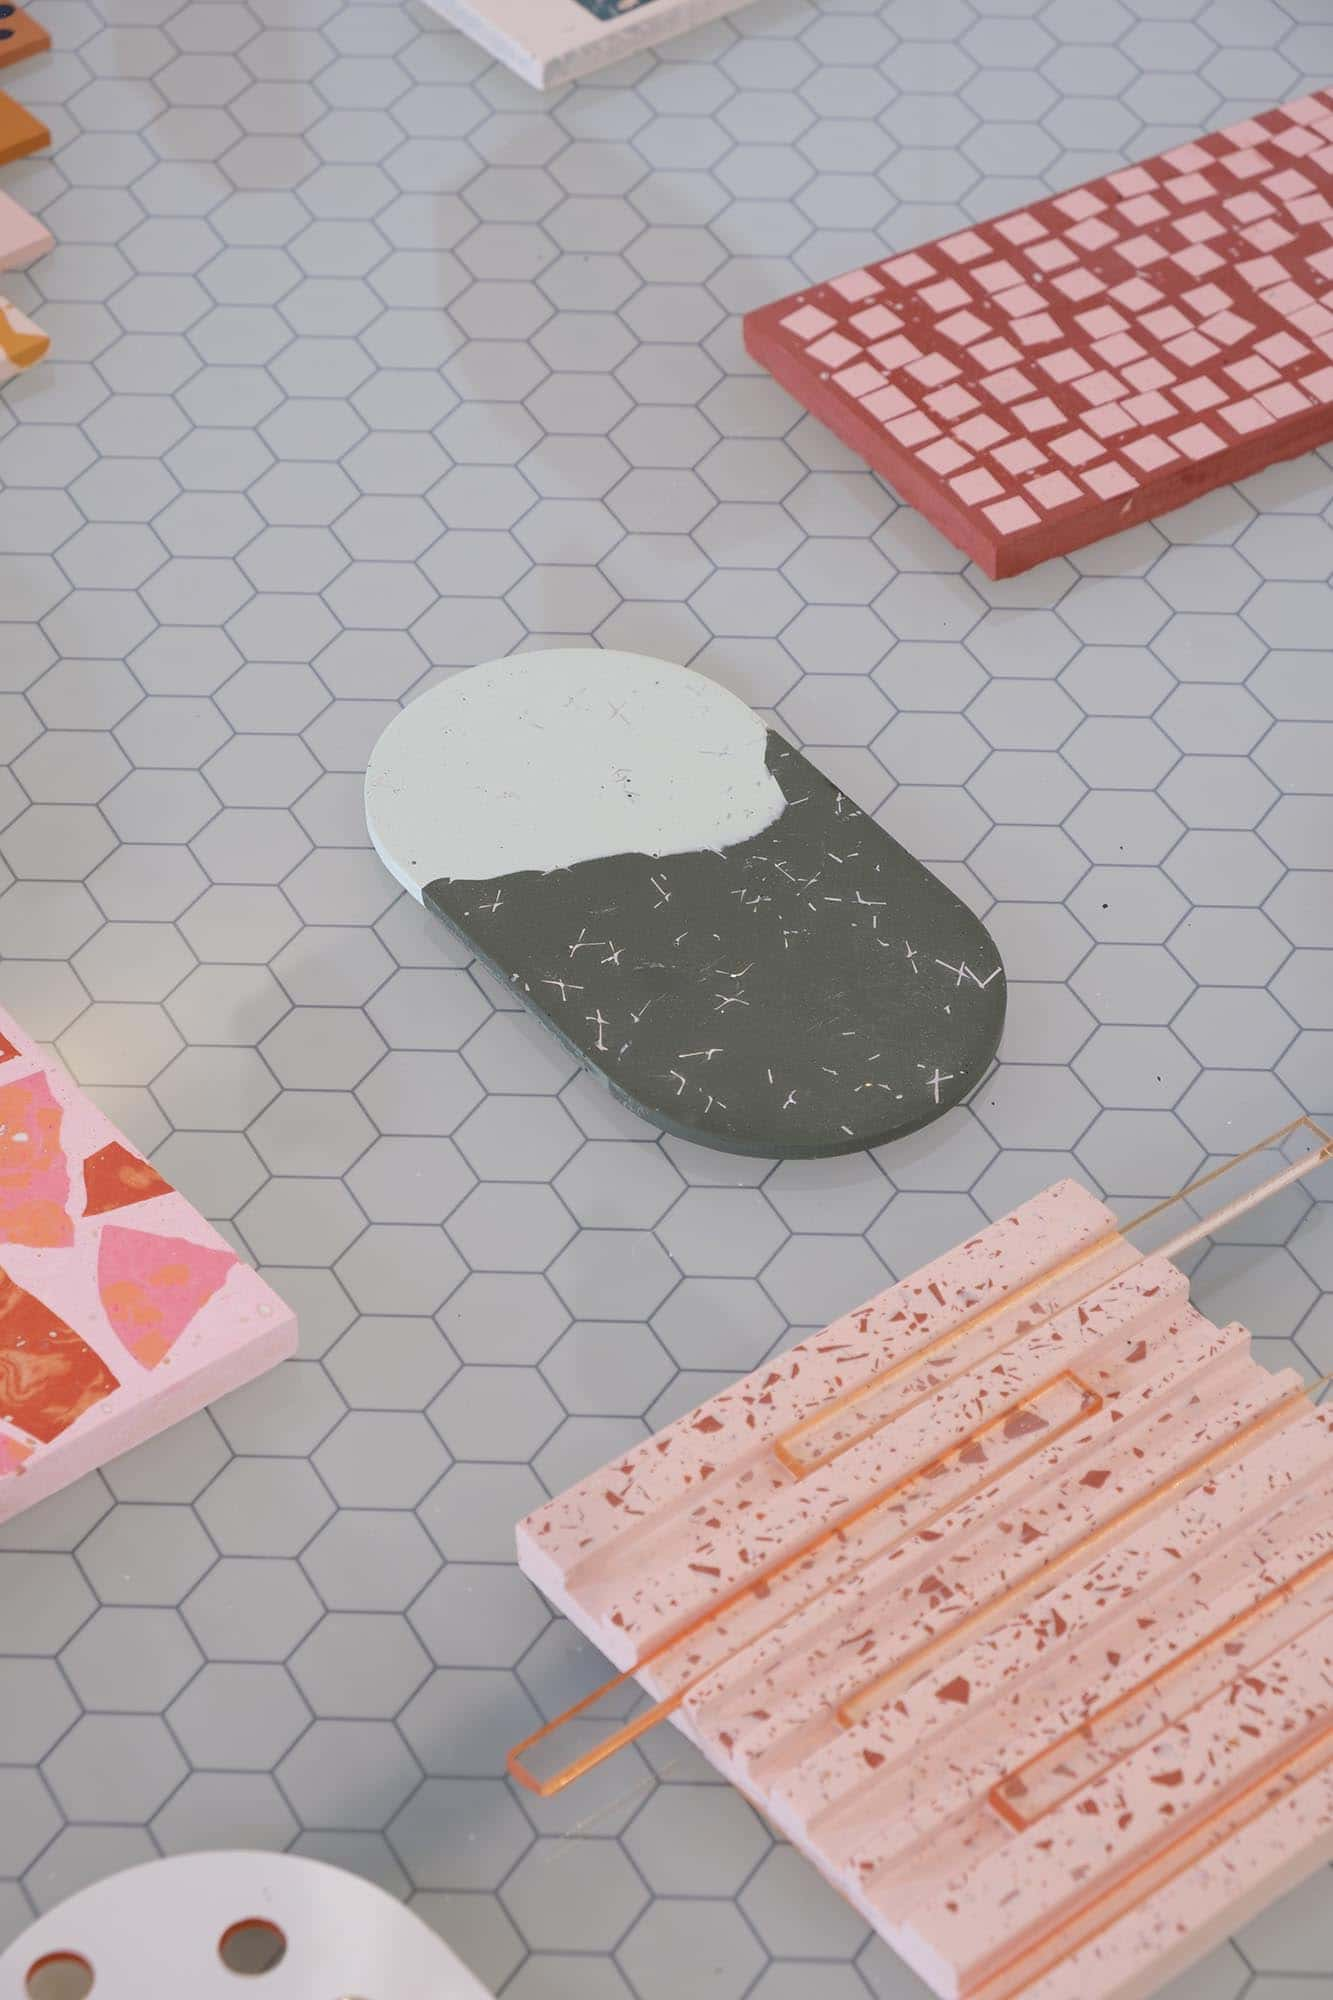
(875, 322)
(951, 403)
(944, 456)
(1019, 457)
(886, 403)
(1150, 453)
(1020, 228)
(1198, 441)
(1053, 489)
(1012, 515)
(1041, 414)
(1078, 284)
(857, 285)
(1109, 481)
(807, 323)
(860, 379)
(974, 487)
(980, 433)
(834, 350)
(1077, 448)
(1201, 394)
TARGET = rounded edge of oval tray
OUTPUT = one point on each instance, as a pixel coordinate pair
(767, 972)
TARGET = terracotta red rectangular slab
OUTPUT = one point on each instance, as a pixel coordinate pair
(1008, 1598)
(1034, 383)
(121, 1309)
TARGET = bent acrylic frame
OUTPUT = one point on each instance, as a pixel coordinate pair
(1055, 1289)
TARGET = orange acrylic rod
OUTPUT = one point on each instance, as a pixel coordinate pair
(802, 1465)
(877, 1691)
(1236, 1809)
(1091, 1402)
(1014, 1782)
(660, 1711)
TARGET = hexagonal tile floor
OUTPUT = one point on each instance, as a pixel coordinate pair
(369, 364)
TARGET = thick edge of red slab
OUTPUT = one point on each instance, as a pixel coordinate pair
(1011, 555)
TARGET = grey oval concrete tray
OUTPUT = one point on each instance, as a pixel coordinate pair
(708, 923)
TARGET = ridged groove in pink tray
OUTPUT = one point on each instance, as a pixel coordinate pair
(1023, 1688)
(1004, 1594)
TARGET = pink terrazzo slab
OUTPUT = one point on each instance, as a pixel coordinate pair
(1008, 1598)
(121, 1310)
(1034, 383)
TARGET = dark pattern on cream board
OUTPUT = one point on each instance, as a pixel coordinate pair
(549, 42)
(714, 928)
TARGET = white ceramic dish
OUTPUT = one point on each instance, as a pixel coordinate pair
(293, 1929)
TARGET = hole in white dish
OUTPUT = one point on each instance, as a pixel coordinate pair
(252, 1946)
(61, 1975)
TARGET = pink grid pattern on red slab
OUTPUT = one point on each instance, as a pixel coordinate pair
(1042, 380)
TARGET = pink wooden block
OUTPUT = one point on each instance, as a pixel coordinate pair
(22, 237)
(121, 1309)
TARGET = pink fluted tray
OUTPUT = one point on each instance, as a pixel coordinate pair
(1008, 1598)
(121, 1309)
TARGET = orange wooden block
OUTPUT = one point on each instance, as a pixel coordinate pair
(21, 343)
(20, 35)
(20, 132)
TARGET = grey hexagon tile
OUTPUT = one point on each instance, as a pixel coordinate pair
(49, 1599)
(391, 1363)
(381, 1458)
(574, 1895)
(491, 1413)
(113, 1769)
(140, 1554)
(707, 1945)
(370, 1561)
(359, 1664)
(413, 1091)
(264, 1507)
(606, 1369)
(348, 1773)
(247, 1715)
(310, 1131)
(796, 1913)
(460, 1834)
(225, 1809)
(393, 330)
(131, 1660)
(694, 1840)
(478, 1614)
(250, 1608)
(32, 1818)
(463, 1720)
(400, 1268)
(38, 1708)
(471, 1513)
